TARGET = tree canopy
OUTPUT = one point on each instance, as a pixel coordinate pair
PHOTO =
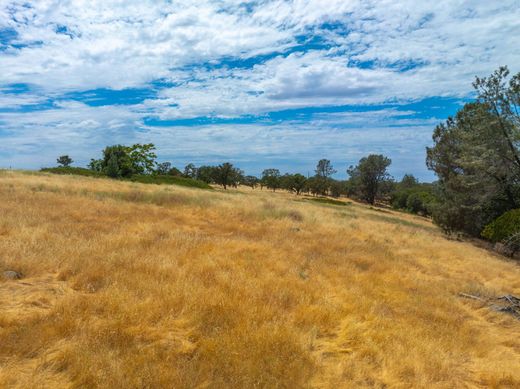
(370, 175)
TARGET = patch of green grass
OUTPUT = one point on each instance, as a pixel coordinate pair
(77, 171)
(396, 220)
(141, 178)
(326, 200)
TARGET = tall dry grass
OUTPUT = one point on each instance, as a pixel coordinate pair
(140, 286)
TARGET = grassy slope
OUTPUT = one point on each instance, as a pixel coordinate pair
(142, 178)
(131, 285)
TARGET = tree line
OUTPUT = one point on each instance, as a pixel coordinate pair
(475, 156)
(368, 181)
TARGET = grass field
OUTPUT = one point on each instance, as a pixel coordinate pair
(129, 285)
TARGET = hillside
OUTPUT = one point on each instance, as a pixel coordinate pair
(132, 285)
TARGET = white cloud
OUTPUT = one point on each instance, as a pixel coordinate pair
(371, 52)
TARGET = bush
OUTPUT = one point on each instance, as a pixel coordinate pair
(420, 203)
(419, 200)
(142, 178)
(504, 227)
(78, 171)
(399, 199)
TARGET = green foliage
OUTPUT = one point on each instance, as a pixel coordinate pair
(250, 181)
(124, 161)
(78, 171)
(64, 161)
(408, 181)
(163, 168)
(142, 157)
(271, 179)
(476, 157)
(504, 227)
(206, 173)
(112, 168)
(293, 182)
(370, 178)
(325, 200)
(324, 168)
(227, 175)
(96, 165)
(166, 169)
(190, 171)
(336, 188)
(420, 203)
(419, 199)
(117, 162)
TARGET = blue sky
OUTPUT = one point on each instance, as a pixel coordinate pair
(262, 84)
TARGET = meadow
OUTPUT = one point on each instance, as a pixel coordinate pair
(128, 285)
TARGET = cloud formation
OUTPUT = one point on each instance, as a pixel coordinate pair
(91, 73)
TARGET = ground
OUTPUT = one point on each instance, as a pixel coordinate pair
(130, 285)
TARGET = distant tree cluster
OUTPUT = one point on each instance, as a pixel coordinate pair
(125, 161)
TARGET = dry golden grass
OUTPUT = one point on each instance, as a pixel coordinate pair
(142, 286)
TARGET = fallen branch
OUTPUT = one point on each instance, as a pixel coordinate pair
(513, 300)
(470, 296)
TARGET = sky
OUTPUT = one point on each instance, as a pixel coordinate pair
(262, 84)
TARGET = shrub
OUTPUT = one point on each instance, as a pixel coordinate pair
(504, 227)
(399, 199)
(79, 171)
(419, 200)
(419, 203)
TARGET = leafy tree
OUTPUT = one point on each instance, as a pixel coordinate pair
(336, 188)
(163, 168)
(408, 181)
(142, 157)
(227, 175)
(370, 176)
(206, 174)
(96, 165)
(324, 169)
(112, 169)
(296, 183)
(173, 171)
(250, 181)
(120, 160)
(420, 202)
(64, 161)
(271, 178)
(476, 157)
(190, 171)
(317, 185)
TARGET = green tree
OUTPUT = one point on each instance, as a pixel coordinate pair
(206, 174)
(476, 157)
(112, 168)
(297, 183)
(227, 175)
(336, 188)
(324, 169)
(250, 181)
(64, 160)
(370, 176)
(121, 160)
(408, 181)
(163, 168)
(96, 165)
(190, 171)
(142, 157)
(271, 179)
